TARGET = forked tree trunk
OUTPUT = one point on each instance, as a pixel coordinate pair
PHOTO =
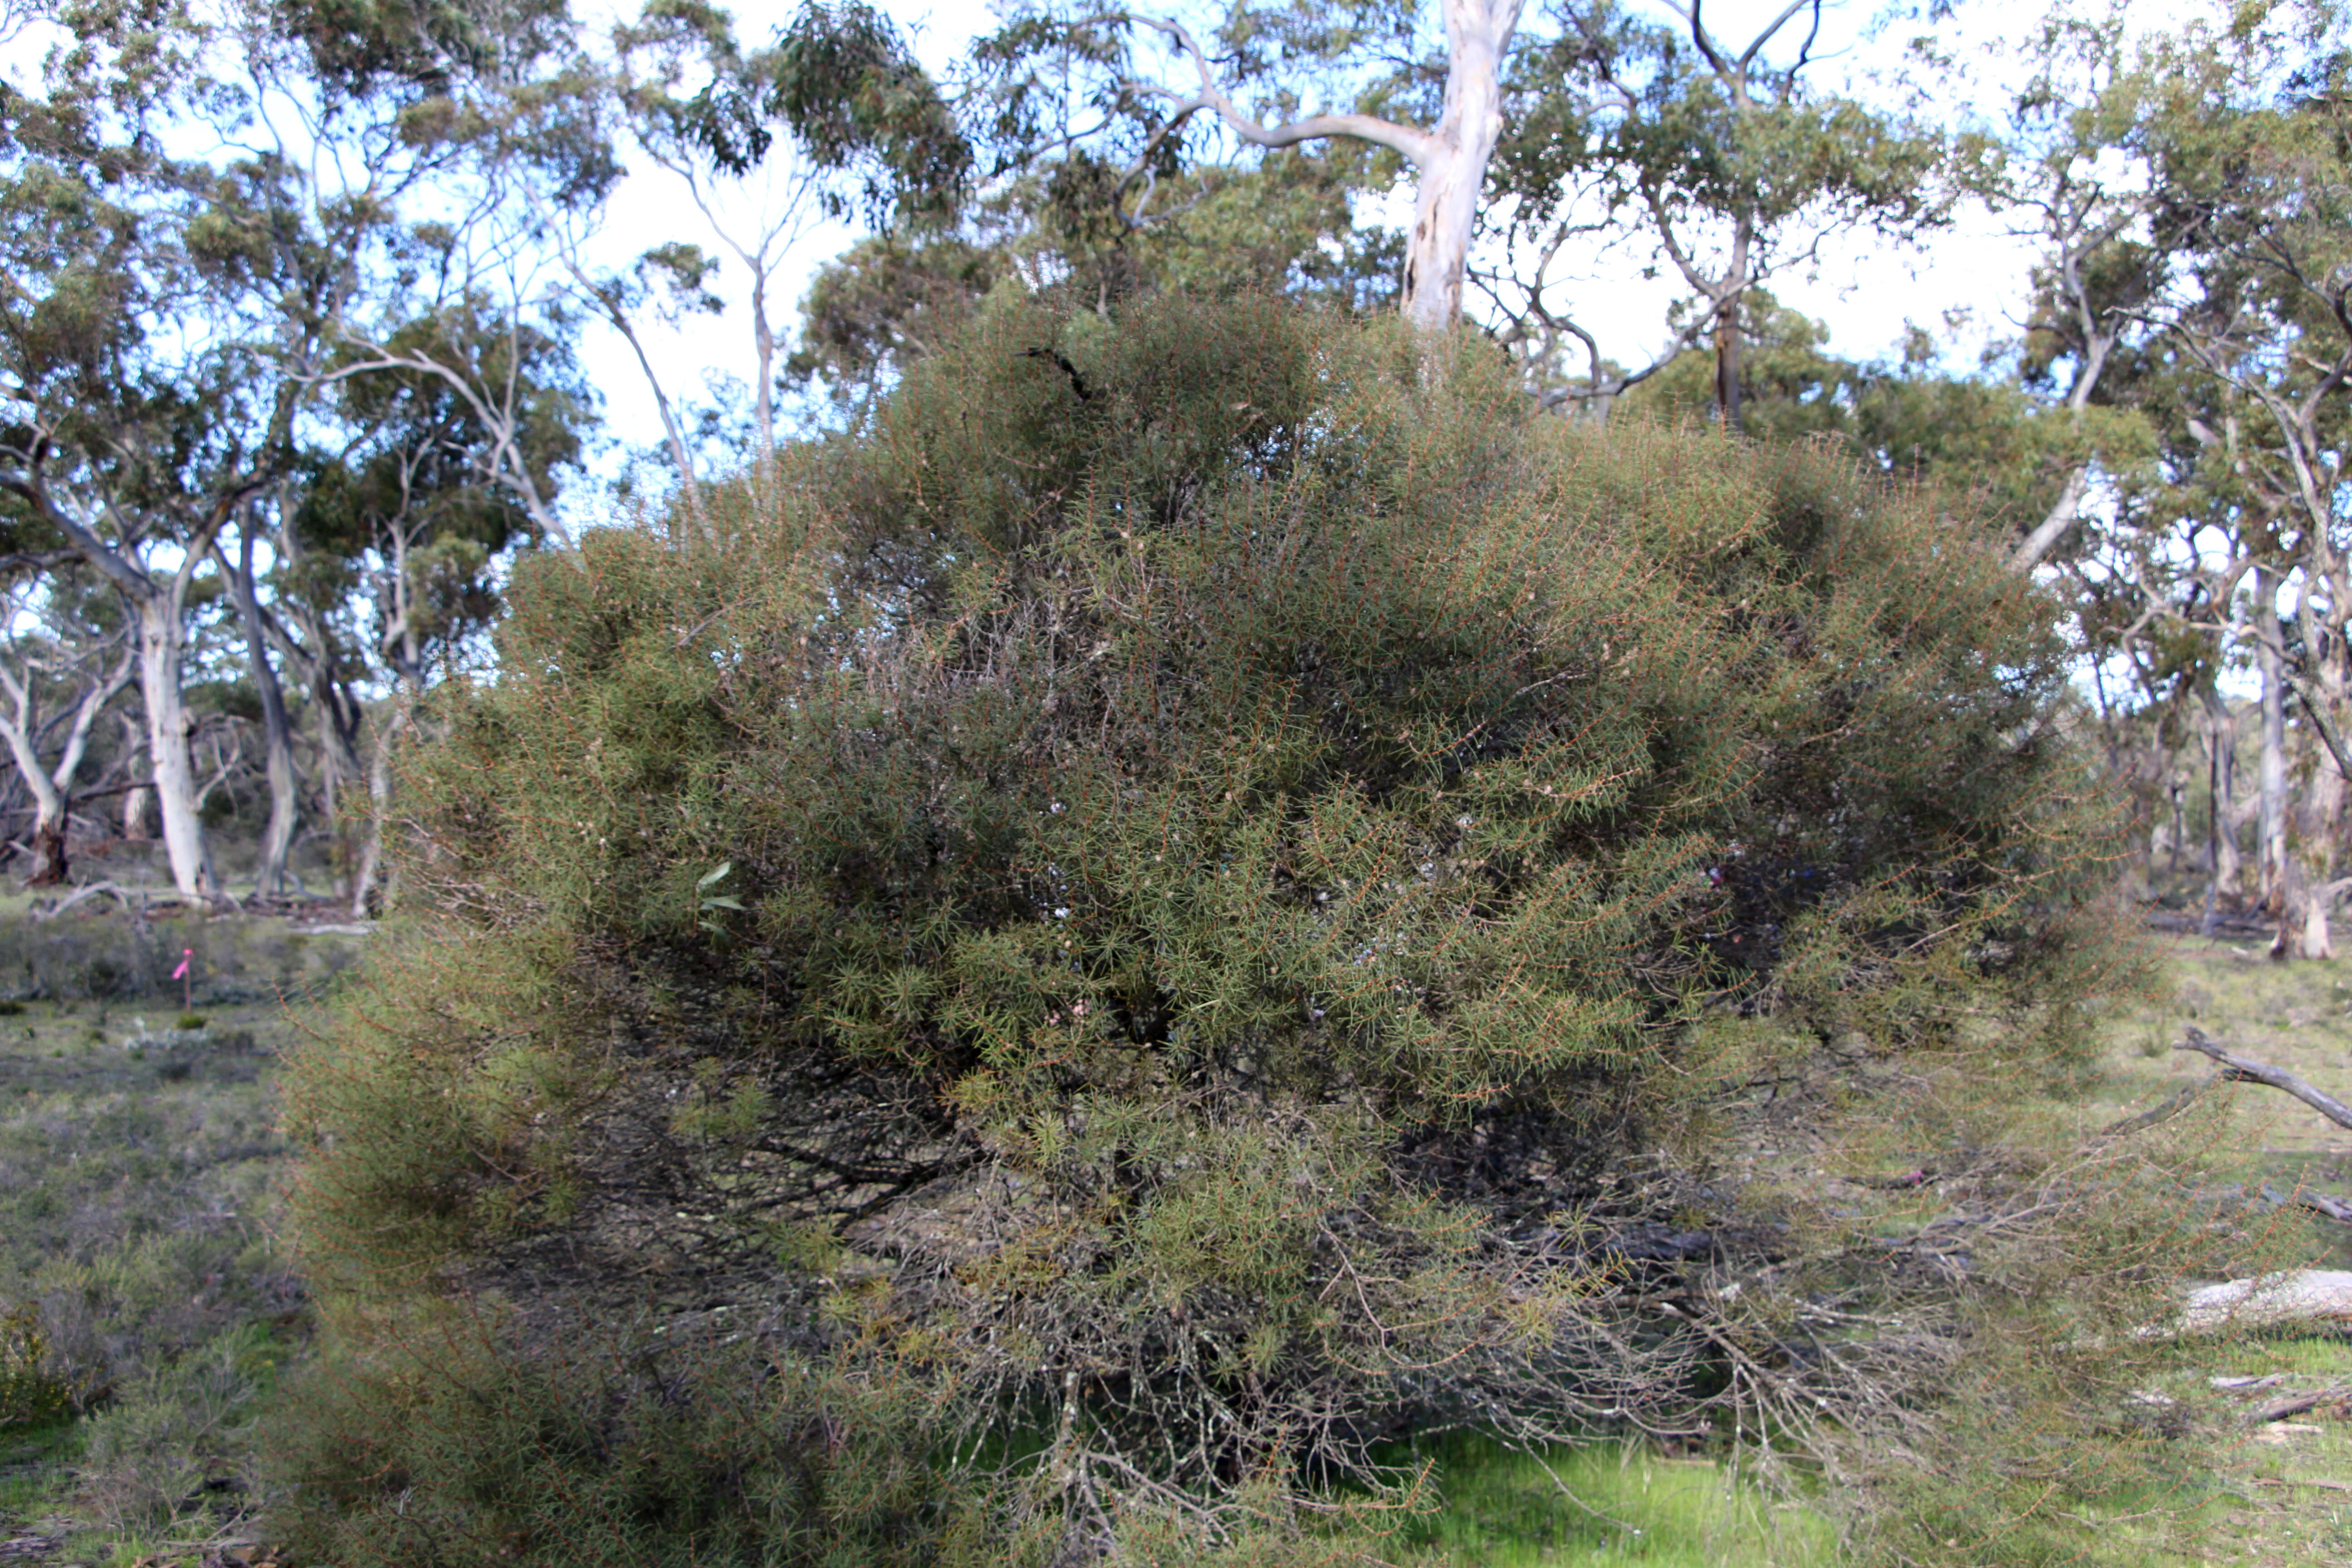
(365, 896)
(52, 788)
(1449, 159)
(159, 610)
(49, 841)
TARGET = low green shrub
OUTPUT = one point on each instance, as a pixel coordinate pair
(462, 1445)
(172, 1454)
(136, 1220)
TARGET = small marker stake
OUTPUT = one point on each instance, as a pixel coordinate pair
(187, 987)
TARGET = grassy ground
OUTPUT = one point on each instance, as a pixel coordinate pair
(2291, 1481)
(139, 1152)
(150, 1306)
(1607, 1504)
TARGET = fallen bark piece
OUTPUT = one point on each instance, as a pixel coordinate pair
(2319, 1203)
(2246, 1069)
(2284, 1432)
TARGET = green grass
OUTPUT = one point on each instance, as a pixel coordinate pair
(1607, 1503)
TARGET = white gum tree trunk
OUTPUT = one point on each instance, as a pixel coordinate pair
(51, 788)
(1449, 158)
(2270, 664)
(162, 646)
(1453, 160)
(158, 601)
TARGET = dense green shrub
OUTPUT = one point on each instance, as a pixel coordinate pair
(1150, 898)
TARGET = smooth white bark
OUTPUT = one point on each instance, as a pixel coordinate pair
(1449, 159)
(2054, 526)
(52, 787)
(163, 648)
(1454, 166)
(159, 609)
(2270, 664)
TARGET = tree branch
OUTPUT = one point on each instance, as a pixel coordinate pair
(2245, 1070)
(1402, 140)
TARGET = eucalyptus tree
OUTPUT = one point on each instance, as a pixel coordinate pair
(2189, 337)
(833, 118)
(444, 365)
(1143, 87)
(1723, 162)
(2068, 164)
(215, 226)
(395, 547)
(68, 655)
(2263, 189)
(142, 407)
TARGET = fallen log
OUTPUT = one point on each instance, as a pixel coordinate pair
(2266, 1300)
(2334, 1207)
(2218, 925)
(90, 891)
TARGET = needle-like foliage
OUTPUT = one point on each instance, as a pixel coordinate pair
(1175, 896)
